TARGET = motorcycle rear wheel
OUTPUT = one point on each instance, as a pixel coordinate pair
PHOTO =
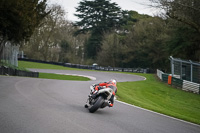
(97, 104)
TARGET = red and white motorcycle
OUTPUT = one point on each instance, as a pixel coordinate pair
(101, 99)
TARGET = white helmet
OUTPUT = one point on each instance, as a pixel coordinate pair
(114, 81)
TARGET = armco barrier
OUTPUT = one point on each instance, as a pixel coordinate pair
(14, 72)
(27, 74)
(165, 77)
(177, 82)
(7, 71)
(2, 70)
(190, 86)
(159, 74)
(183, 84)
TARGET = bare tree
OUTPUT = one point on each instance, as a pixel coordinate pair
(47, 42)
(46, 38)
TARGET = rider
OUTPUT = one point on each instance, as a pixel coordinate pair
(110, 84)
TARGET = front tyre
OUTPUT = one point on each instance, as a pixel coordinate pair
(97, 104)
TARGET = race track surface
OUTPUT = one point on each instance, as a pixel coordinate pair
(33, 105)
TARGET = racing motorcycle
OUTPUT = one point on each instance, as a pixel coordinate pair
(101, 99)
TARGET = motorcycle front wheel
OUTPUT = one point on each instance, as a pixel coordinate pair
(97, 104)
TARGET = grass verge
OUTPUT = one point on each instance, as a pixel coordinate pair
(159, 97)
(62, 77)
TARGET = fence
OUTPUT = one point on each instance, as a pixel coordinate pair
(180, 83)
(9, 57)
(185, 70)
(9, 54)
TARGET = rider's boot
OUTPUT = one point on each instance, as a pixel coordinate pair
(110, 103)
(86, 106)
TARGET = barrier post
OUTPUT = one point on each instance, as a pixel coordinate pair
(170, 79)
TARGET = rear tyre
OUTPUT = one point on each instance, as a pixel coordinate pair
(97, 104)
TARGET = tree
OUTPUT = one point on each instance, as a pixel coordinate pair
(184, 18)
(65, 46)
(47, 36)
(111, 54)
(98, 17)
(133, 18)
(54, 39)
(184, 42)
(185, 11)
(146, 44)
(18, 19)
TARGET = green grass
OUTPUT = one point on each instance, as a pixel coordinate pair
(62, 77)
(27, 64)
(159, 97)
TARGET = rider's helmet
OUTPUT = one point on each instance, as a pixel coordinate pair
(114, 81)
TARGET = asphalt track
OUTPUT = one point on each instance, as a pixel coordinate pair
(31, 105)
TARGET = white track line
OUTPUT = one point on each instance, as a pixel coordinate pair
(90, 77)
(158, 113)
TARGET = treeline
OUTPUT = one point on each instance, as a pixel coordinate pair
(109, 36)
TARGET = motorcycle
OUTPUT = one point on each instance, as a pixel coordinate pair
(101, 99)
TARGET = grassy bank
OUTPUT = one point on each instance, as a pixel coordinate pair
(159, 97)
(27, 64)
